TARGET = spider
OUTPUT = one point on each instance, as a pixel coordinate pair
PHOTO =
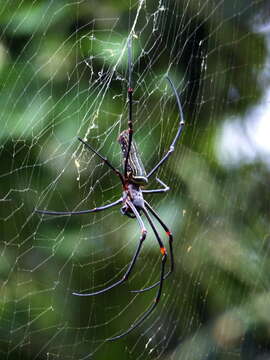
(133, 179)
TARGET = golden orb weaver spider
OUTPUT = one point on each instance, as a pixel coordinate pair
(133, 179)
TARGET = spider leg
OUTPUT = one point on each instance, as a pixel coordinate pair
(165, 188)
(63, 213)
(106, 161)
(130, 93)
(133, 261)
(179, 131)
(169, 234)
(159, 292)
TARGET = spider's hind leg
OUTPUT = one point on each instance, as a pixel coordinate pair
(164, 189)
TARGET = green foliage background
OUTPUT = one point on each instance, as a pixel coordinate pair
(216, 304)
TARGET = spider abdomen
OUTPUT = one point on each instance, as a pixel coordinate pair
(135, 169)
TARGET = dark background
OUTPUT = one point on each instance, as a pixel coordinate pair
(63, 69)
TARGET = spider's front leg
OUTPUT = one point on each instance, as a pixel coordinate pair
(133, 261)
(159, 291)
(80, 212)
(170, 236)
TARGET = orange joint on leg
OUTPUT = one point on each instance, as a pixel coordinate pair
(168, 233)
(163, 250)
(130, 90)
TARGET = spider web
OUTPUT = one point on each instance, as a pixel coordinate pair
(64, 74)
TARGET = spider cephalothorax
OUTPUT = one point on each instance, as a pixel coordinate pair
(133, 180)
(134, 194)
